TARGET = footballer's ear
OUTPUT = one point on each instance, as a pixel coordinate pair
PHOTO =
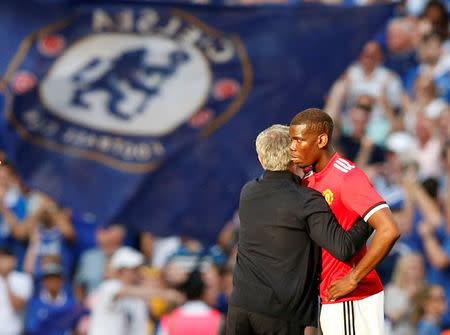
(322, 141)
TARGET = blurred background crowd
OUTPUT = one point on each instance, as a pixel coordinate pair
(409, 7)
(62, 274)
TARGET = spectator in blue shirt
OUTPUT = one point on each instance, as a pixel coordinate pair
(398, 42)
(13, 233)
(51, 231)
(53, 309)
(422, 207)
(434, 63)
(91, 267)
(431, 305)
(436, 242)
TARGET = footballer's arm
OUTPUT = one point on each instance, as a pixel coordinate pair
(386, 233)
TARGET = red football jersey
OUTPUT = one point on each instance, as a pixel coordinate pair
(350, 196)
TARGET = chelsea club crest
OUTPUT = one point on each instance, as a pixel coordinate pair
(126, 88)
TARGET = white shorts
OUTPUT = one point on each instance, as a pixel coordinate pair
(359, 317)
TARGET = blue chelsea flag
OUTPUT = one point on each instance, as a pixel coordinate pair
(146, 112)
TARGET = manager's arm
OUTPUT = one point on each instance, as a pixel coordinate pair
(325, 230)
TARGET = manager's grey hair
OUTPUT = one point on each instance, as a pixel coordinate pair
(272, 146)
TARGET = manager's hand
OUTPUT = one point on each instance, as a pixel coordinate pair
(341, 287)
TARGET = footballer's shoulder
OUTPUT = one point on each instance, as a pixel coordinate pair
(344, 166)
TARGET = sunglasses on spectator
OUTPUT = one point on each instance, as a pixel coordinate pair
(439, 297)
(367, 108)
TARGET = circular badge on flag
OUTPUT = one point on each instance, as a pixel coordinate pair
(127, 84)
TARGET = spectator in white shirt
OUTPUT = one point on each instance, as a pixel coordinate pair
(408, 279)
(428, 149)
(425, 100)
(120, 303)
(119, 308)
(368, 77)
(15, 290)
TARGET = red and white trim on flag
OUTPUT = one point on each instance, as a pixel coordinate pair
(23, 82)
(201, 118)
(226, 88)
(51, 45)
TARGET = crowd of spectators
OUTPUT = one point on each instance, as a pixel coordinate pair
(408, 7)
(391, 108)
(61, 274)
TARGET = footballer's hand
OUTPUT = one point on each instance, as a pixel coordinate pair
(341, 287)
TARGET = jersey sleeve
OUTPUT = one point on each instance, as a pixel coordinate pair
(359, 195)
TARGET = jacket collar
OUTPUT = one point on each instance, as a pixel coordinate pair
(278, 175)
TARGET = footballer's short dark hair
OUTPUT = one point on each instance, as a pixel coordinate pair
(316, 120)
